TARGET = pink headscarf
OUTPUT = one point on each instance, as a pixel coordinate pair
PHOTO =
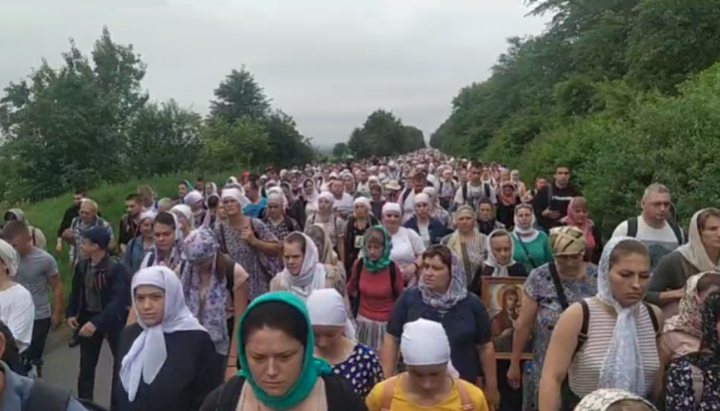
(585, 227)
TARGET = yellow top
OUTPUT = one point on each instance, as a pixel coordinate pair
(400, 402)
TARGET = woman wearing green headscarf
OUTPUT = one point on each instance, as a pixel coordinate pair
(279, 371)
(375, 283)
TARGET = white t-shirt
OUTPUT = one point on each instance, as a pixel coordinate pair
(17, 311)
(659, 241)
(344, 205)
(475, 193)
(406, 246)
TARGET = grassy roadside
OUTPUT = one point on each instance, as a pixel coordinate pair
(47, 215)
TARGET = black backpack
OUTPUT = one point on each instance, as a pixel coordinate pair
(486, 187)
(359, 268)
(632, 229)
(46, 397)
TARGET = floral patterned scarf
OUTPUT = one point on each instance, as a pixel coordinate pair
(455, 293)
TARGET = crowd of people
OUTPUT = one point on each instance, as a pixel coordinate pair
(369, 285)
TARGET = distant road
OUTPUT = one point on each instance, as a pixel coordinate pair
(62, 365)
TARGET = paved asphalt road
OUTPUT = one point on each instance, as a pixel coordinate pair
(62, 365)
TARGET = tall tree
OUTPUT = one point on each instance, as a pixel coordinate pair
(238, 97)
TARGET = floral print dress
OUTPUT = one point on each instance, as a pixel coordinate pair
(540, 287)
(260, 268)
(362, 370)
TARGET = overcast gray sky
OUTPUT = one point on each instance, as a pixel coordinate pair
(328, 63)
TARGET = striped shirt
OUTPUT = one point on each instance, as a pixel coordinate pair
(584, 372)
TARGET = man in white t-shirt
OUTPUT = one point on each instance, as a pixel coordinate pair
(652, 227)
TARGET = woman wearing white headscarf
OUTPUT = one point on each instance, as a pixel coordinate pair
(430, 380)
(275, 216)
(335, 342)
(17, 310)
(500, 261)
(185, 217)
(167, 357)
(606, 341)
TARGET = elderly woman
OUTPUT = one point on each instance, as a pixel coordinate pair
(279, 370)
(531, 246)
(275, 217)
(499, 263)
(357, 224)
(609, 340)
(167, 357)
(335, 342)
(468, 244)
(407, 245)
(577, 216)
(142, 244)
(548, 291)
(486, 222)
(442, 296)
(333, 225)
(430, 229)
(430, 380)
(436, 211)
(185, 217)
(196, 202)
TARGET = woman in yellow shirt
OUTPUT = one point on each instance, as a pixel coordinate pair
(430, 382)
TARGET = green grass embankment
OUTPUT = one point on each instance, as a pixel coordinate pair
(47, 215)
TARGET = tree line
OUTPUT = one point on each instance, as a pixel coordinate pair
(382, 135)
(90, 122)
(624, 92)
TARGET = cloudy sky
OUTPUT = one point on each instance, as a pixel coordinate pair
(328, 63)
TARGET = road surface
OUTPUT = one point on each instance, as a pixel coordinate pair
(63, 363)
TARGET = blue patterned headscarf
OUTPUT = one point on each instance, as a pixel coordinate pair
(454, 294)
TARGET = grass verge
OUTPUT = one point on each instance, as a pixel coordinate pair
(47, 215)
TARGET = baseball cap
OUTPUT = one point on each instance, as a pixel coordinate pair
(97, 235)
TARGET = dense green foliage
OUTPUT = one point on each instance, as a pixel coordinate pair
(381, 135)
(90, 122)
(611, 90)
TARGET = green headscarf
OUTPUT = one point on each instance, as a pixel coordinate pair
(312, 367)
(189, 185)
(384, 261)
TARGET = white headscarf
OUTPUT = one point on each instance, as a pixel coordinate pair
(622, 368)
(501, 270)
(182, 210)
(312, 273)
(10, 257)
(148, 352)
(276, 195)
(526, 235)
(237, 195)
(694, 251)
(425, 342)
(327, 307)
(193, 198)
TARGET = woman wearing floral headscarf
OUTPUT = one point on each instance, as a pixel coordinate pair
(682, 332)
(577, 216)
(613, 400)
(442, 296)
(468, 244)
(310, 195)
(606, 341)
(547, 292)
(682, 391)
(215, 290)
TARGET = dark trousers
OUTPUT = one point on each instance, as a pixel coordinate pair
(510, 398)
(33, 355)
(90, 348)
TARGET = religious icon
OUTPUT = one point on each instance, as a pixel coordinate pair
(503, 297)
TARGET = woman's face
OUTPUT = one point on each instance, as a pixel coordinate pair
(274, 210)
(349, 184)
(182, 189)
(274, 359)
(703, 294)
(569, 263)
(436, 274)
(464, 223)
(221, 213)
(231, 206)
(376, 194)
(501, 247)
(164, 236)
(629, 277)
(146, 227)
(485, 212)
(422, 209)
(361, 210)
(580, 211)
(318, 238)
(150, 304)
(374, 249)
(293, 257)
(710, 234)
(327, 336)
(515, 176)
(427, 378)
(524, 217)
(208, 188)
(308, 188)
(184, 223)
(508, 190)
(324, 205)
(391, 220)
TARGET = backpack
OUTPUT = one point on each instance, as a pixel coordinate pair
(46, 397)
(632, 229)
(405, 195)
(389, 390)
(286, 219)
(358, 271)
(486, 187)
